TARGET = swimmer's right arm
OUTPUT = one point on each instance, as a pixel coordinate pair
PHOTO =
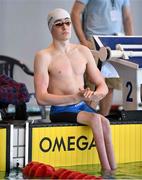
(41, 82)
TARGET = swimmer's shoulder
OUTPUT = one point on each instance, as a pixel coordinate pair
(43, 54)
(84, 52)
(82, 48)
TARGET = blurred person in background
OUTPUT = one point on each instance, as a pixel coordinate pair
(102, 17)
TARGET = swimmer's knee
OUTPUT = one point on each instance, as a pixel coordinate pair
(105, 121)
(89, 119)
(94, 118)
(98, 119)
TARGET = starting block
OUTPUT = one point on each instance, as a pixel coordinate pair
(125, 54)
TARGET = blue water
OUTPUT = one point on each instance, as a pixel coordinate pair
(124, 171)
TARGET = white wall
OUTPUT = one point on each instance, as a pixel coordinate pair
(137, 14)
(23, 28)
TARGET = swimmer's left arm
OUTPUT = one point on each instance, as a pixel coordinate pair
(95, 76)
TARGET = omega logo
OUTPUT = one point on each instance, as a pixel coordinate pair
(68, 144)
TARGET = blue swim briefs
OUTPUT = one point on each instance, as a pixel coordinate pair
(68, 113)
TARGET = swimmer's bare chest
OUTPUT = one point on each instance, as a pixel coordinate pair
(66, 74)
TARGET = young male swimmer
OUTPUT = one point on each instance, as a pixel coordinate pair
(59, 82)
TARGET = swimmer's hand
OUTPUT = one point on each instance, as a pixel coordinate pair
(86, 93)
(89, 95)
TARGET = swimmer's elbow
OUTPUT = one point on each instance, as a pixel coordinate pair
(105, 92)
(41, 100)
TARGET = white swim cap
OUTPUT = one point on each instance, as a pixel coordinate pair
(55, 15)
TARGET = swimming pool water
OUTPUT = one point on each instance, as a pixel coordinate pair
(124, 171)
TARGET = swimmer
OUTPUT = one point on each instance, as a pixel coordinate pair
(59, 82)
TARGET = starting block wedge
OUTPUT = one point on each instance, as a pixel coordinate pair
(125, 54)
